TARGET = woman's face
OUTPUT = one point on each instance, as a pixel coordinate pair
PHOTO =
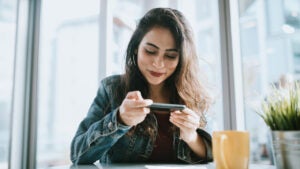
(157, 55)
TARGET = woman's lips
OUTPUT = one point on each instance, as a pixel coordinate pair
(156, 74)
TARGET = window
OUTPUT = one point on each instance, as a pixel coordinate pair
(68, 74)
(123, 27)
(270, 40)
(203, 17)
(8, 15)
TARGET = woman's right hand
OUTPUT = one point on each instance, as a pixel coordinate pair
(133, 109)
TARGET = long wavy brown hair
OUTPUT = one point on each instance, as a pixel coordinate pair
(184, 84)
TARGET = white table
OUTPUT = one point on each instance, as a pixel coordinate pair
(157, 166)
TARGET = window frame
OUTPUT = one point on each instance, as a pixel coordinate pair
(24, 100)
(233, 105)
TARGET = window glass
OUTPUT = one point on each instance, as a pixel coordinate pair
(123, 27)
(68, 71)
(203, 17)
(270, 40)
(8, 17)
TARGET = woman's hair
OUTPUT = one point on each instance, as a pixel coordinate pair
(184, 83)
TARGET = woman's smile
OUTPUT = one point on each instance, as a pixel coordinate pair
(156, 74)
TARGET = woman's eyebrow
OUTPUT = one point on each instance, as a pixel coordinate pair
(151, 44)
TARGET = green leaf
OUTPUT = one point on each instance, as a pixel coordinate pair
(281, 109)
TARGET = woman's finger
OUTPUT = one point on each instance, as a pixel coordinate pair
(183, 123)
(135, 95)
(186, 117)
(190, 112)
(137, 103)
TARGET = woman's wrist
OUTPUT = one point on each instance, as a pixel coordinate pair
(193, 138)
(119, 119)
(196, 144)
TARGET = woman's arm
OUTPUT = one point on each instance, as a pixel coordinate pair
(98, 132)
(197, 145)
(185, 153)
(194, 144)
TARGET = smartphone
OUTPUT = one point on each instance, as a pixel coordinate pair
(166, 107)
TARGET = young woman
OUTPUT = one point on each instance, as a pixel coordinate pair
(161, 66)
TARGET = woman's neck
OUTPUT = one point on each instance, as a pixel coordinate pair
(158, 93)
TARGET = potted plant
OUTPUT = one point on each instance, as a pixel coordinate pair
(281, 112)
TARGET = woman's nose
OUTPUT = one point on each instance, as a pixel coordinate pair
(158, 62)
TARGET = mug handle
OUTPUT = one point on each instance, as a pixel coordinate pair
(223, 157)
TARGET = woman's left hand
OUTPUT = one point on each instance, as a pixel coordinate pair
(187, 121)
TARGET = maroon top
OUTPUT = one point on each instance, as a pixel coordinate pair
(163, 147)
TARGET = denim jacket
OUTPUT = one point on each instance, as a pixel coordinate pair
(101, 137)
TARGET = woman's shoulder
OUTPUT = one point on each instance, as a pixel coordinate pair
(113, 86)
(113, 80)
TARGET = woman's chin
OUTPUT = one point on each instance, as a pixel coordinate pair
(155, 82)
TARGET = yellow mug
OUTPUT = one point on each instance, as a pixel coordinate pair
(231, 149)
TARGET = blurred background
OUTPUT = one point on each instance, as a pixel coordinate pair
(83, 41)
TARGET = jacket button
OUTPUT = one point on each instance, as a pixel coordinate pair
(110, 126)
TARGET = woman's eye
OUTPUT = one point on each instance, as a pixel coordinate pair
(171, 56)
(150, 52)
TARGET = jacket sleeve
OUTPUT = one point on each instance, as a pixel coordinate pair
(98, 132)
(186, 154)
